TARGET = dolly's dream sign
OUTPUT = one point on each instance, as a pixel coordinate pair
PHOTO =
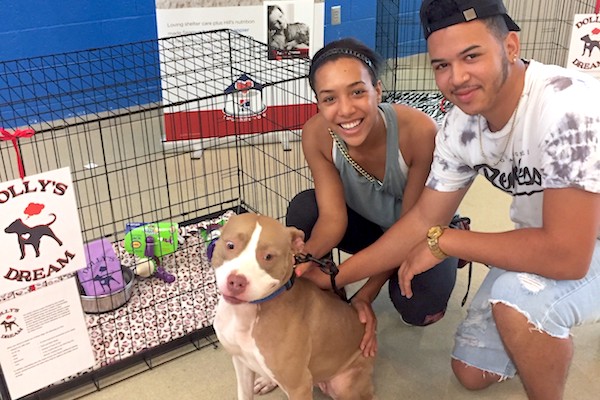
(39, 229)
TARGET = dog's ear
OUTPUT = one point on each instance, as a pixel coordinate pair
(297, 239)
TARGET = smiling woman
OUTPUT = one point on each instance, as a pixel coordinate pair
(369, 161)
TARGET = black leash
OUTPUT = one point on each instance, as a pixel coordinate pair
(463, 223)
(327, 266)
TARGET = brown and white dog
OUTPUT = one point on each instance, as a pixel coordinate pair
(282, 328)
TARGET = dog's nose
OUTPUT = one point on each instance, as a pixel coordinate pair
(236, 283)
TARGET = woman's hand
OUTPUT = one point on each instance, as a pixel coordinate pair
(309, 271)
(368, 345)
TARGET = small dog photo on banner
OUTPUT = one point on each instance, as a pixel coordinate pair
(288, 27)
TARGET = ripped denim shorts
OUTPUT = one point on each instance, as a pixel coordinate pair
(552, 306)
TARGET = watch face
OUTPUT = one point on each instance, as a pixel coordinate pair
(434, 232)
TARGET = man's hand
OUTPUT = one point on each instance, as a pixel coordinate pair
(418, 261)
(368, 345)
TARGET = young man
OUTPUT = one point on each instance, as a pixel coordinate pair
(533, 131)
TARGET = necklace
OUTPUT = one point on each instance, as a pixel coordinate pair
(342, 148)
(351, 161)
(510, 133)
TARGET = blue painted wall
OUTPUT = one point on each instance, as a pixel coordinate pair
(405, 36)
(392, 27)
(84, 24)
(42, 27)
(72, 58)
(64, 66)
(359, 20)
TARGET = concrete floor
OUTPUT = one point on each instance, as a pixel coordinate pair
(412, 363)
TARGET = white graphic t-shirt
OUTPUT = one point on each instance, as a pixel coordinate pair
(555, 143)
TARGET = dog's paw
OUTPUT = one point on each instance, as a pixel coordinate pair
(263, 385)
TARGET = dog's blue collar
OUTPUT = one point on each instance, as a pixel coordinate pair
(288, 285)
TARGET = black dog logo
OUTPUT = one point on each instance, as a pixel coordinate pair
(104, 281)
(589, 45)
(32, 235)
(8, 325)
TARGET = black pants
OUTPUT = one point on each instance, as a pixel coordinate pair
(431, 289)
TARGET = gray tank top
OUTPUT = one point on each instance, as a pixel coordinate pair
(379, 203)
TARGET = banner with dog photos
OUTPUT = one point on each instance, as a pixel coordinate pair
(39, 230)
(584, 50)
(243, 103)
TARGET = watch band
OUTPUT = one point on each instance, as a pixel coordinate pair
(433, 236)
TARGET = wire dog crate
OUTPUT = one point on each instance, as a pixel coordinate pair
(184, 130)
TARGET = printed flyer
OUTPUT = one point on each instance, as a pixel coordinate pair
(43, 338)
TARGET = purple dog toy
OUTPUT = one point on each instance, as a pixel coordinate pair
(160, 273)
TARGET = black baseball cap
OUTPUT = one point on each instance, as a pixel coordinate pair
(468, 10)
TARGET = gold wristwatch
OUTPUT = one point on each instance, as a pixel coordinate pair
(433, 236)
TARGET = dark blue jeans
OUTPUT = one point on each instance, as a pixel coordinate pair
(431, 289)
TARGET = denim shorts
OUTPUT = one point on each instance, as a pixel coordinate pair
(552, 306)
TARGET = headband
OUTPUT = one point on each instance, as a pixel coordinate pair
(345, 52)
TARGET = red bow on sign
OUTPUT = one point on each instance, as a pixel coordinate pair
(13, 137)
